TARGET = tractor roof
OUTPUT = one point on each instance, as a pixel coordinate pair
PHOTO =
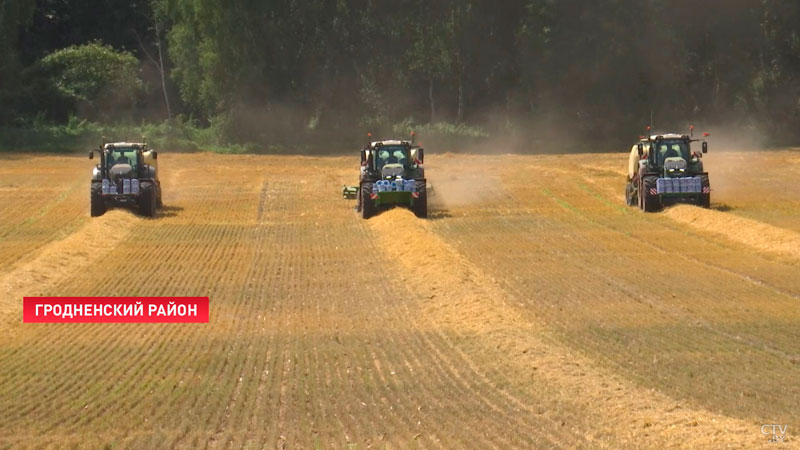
(390, 142)
(124, 144)
(665, 136)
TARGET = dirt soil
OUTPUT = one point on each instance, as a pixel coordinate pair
(533, 309)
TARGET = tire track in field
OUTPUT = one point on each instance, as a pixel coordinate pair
(253, 367)
(257, 368)
(470, 304)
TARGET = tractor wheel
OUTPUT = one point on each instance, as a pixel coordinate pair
(630, 199)
(368, 208)
(147, 199)
(648, 201)
(98, 208)
(421, 203)
(705, 199)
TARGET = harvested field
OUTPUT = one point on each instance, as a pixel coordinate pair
(533, 309)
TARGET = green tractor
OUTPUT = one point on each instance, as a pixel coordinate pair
(127, 175)
(663, 170)
(392, 174)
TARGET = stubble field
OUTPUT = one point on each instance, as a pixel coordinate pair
(532, 309)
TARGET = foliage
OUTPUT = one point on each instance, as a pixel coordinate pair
(181, 134)
(283, 72)
(95, 77)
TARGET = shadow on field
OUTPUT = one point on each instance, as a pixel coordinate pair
(170, 211)
(439, 215)
(722, 207)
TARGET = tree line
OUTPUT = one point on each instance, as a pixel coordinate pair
(264, 71)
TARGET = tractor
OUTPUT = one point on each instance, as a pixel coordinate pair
(663, 170)
(127, 175)
(392, 174)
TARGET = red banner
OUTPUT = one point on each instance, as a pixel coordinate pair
(115, 310)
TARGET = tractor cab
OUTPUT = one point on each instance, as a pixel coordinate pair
(123, 155)
(390, 159)
(125, 160)
(122, 161)
(671, 155)
(392, 155)
(671, 150)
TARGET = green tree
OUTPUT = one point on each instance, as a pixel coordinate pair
(97, 79)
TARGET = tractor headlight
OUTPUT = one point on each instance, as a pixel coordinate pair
(135, 186)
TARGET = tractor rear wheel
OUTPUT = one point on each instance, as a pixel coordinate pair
(630, 200)
(368, 208)
(421, 203)
(147, 199)
(98, 208)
